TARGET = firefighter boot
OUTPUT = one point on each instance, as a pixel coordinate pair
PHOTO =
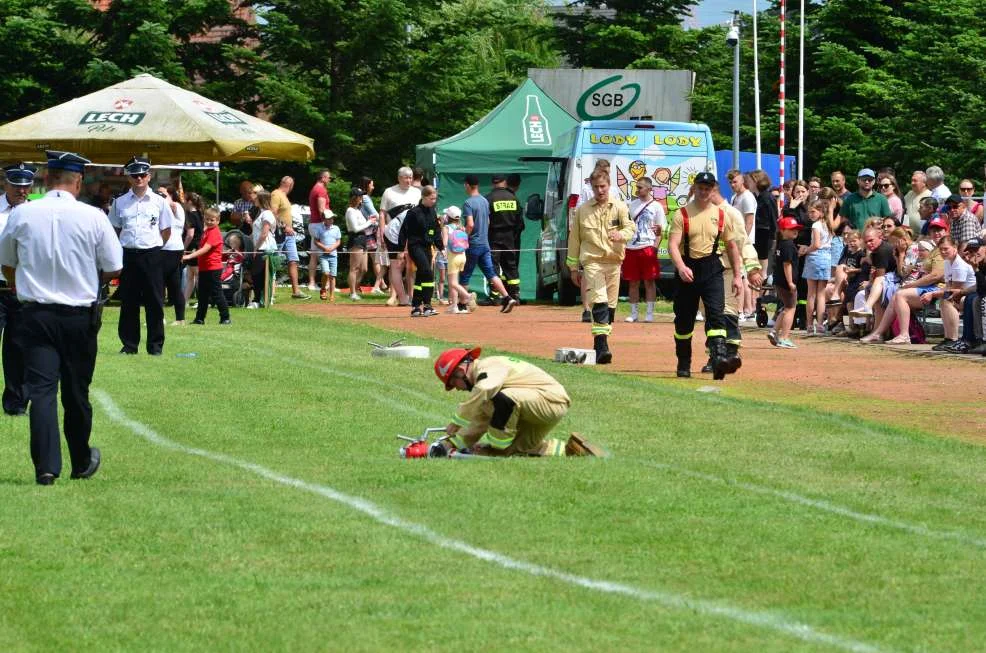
(683, 350)
(707, 368)
(720, 358)
(603, 354)
(733, 358)
(612, 315)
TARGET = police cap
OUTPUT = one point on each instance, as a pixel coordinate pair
(706, 178)
(20, 174)
(137, 166)
(68, 161)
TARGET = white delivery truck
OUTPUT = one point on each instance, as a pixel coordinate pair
(670, 153)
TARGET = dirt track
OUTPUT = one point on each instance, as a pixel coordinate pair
(944, 395)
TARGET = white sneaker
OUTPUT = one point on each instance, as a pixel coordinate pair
(632, 318)
(355, 297)
(253, 305)
(312, 286)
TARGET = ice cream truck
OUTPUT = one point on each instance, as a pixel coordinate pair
(670, 153)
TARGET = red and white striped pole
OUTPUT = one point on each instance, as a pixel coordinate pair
(781, 92)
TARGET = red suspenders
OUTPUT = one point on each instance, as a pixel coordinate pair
(684, 230)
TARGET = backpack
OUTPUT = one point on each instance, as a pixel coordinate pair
(458, 240)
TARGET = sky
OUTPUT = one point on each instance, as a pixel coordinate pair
(710, 12)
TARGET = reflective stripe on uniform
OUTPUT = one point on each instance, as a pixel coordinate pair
(570, 262)
(737, 342)
(427, 284)
(554, 447)
(683, 336)
(803, 302)
(602, 329)
(513, 282)
(716, 333)
(495, 442)
(457, 441)
(461, 421)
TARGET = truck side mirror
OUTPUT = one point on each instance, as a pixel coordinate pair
(535, 208)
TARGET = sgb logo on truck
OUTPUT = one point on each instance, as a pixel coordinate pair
(600, 98)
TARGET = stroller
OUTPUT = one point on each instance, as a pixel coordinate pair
(234, 277)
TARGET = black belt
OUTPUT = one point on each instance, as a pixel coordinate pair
(58, 308)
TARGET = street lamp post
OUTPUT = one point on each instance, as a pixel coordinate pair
(732, 38)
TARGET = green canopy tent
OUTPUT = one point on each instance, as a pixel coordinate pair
(526, 124)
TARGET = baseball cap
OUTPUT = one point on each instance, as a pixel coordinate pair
(327, 214)
(955, 198)
(788, 223)
(706, 178)
(453, 213)
(356, 191)
(939, 223)
(866, 172)
(973, 243)
(926, 245)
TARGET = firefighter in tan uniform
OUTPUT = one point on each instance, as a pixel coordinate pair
(511, 408)
(698, 232)
(597, 239)
(751, 271)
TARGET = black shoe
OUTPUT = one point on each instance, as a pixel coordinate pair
(226, 321)
(587, 316)
(428, 311)
(979, 349)
(684, 374)
(943, 345)
(200, 322)
(416, 312)
(508, 304)
(128, 351)
(707, 368)
(45, 479)
(94, 459)
(156, 352)
(15, 411)
(604, 357)
(958, 347)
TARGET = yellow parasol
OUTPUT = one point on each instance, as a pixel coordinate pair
(146, 115)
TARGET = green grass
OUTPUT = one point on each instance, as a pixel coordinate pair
(165, 550)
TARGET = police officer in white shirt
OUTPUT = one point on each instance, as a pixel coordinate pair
(18, 180)
(143, 220)
(58, 251)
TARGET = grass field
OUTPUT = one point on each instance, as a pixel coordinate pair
(251, 498)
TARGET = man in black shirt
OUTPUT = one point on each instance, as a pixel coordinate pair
(883, 270)
(505, 225)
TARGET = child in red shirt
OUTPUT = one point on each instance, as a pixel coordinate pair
(210, 257)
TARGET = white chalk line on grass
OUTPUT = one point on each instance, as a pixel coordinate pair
(824, 506)
(821, 505)
(763, 620)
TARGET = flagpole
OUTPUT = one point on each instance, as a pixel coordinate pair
(756, 87)
(780, 181)
(801, 95)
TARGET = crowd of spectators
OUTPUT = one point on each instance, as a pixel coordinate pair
(874, 264)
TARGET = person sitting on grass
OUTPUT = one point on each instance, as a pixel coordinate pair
(785, 284)
(329, 239)
(511, 409)
(883, 275)
(210, 263)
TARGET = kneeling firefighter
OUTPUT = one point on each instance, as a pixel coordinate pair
(698, 231)
(511, 408)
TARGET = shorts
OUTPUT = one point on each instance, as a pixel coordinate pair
(329, 264)
(818, 266)
(357, 241)
(392, 251)
(456, 262)
(441, 263)
(787, 297)
(290, 249)
(380, 257)
(641, 265)
(924, 290)
(837, 248)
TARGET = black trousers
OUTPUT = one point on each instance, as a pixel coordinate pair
(210, 287)
(142, 284)
(260, 277)
(508, 263)
(14, 393)
(424, 276)
(706, 286)
(171, 266)
(59, 347)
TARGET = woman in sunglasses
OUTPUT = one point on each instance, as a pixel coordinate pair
(887, 185)
(967, 190)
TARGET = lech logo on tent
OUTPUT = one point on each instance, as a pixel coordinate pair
(112, 117)
(535, 124)
(225, 117)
